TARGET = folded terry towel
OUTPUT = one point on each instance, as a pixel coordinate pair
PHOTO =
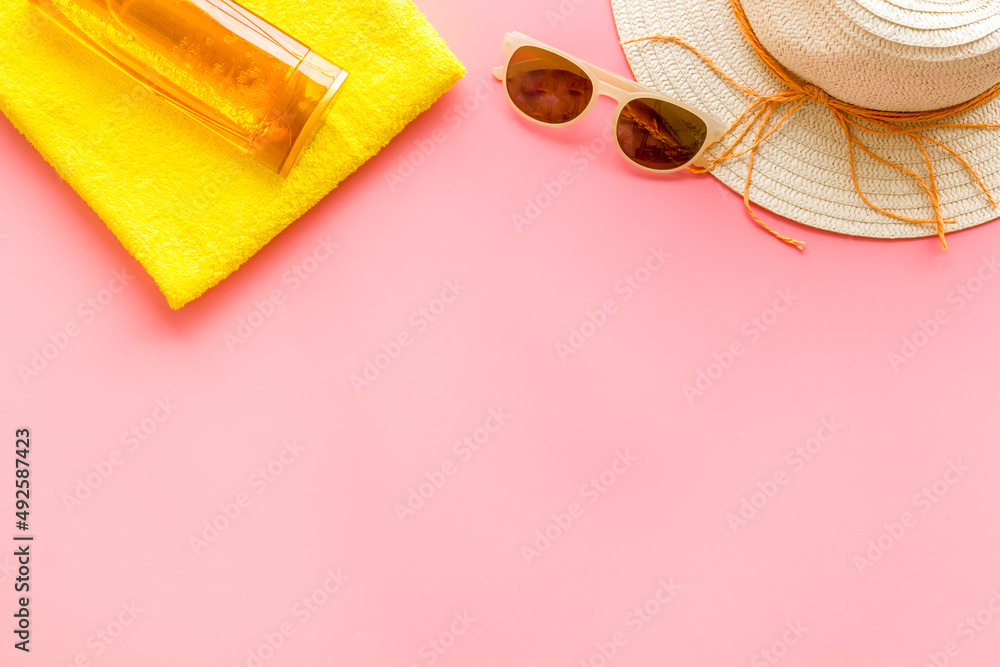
(182, 201)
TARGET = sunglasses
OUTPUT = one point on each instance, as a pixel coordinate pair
(653, 131)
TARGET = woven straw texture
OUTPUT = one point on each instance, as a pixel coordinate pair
(903, 55)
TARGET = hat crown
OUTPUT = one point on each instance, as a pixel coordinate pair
(893, 55)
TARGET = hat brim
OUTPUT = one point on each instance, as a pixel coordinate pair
(802, 172)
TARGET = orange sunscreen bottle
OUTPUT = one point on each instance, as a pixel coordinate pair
(260, 89)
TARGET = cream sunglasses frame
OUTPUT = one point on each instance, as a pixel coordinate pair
(617, 88)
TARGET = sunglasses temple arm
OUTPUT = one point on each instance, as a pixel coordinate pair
(702, 162)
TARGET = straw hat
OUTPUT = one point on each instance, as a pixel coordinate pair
(894, 55)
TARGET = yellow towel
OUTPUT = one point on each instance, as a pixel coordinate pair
(183, 202)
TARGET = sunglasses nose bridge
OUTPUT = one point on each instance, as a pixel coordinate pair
(606, 89)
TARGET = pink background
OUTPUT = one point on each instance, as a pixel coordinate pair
(787, 580)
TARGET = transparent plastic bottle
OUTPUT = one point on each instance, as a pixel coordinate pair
(251, 83)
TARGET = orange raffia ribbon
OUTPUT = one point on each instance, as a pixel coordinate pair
(851, 119)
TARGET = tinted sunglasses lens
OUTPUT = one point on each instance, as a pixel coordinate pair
(659, 135)
(547, 87)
